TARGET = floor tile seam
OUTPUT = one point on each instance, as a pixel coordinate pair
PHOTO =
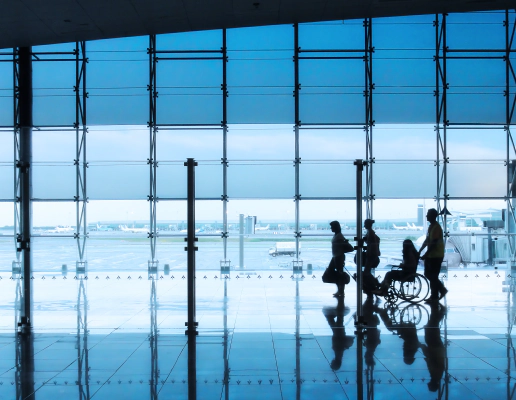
(49, 379)
(277, 374)
(121, 365)
(185, 346)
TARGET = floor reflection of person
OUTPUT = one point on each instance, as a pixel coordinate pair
(340, 341)
(406, 330)
(434, 350)
(372, 333)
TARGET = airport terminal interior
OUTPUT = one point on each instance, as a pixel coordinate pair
(165, 200)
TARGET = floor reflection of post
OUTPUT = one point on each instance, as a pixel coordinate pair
(298, 344)
(153, 341)
(226, 339)
(82, 343)
(24, 375)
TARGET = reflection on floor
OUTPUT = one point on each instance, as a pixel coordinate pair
(261, 335)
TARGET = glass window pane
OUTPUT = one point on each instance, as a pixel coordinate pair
(327, 179)
(475, 30)
(6, 181)
(48, 216)
(189, 91)
(6, 91)
(407, 179)
(118, 75)
(477, 179)
(53, 180)
(260, 142)
(476, 144)
(54, 98)
(331, 35)
(404, 142)
(331, 144)
(118, 181)
(53, 146)
(180, 144)
(332, 91)
(172, 180)
(473, 96)
(260, 75)
(260, 180)
(7, 220)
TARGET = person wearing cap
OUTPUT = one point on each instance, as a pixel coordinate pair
(434, 256)
(373, 247)
(338, 257)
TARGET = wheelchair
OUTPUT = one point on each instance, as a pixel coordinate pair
(413, 288)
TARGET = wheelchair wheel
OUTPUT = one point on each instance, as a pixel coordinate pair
(392, 295)
(415, 291)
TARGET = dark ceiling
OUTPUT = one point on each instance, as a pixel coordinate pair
(35, 22)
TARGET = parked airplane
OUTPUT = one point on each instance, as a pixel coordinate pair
(262, 228)
(124, 228)
(402, 228)
(61, 229)
(416, 228)
(103, 228)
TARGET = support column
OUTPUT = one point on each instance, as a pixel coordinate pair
(25, 183)
(359, 319)
(191, 248)
(151, 161)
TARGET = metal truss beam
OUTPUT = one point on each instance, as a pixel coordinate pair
(80, 161)
(297, 158)
(369, 121)
(152, 160)
(441, 116)
(224, 264)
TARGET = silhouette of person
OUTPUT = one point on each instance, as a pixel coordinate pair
(434, 256)
(406, 268)
(372, 258)
(338, 256)
(340, 341)
(434, 350)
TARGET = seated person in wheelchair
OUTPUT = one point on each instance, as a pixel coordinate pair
(400, 273)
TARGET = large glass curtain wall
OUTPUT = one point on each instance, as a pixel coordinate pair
(275, 117)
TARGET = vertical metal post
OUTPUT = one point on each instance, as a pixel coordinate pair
(359, 321)
(16, 157)
(241, 240)
(190, 247)
(224, 147)
(151, 161)
(369, 122)
(80, 161)
(441, 89)
(24, 163)
(297, 122)
(360, 364)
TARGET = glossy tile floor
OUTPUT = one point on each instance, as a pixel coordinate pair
(261, 335)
